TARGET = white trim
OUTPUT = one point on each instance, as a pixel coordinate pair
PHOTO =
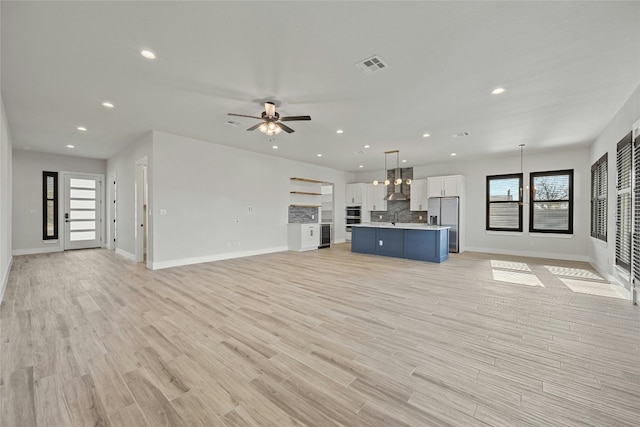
(5, 280)
(548, 255)
(125, 254)
(339, 241)
(217, 257)
(551, 235)
(620, 286)
(514, 233)
(33, 251)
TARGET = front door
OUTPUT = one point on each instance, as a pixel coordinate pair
(82, 222)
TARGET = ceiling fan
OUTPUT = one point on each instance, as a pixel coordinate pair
(272, 122)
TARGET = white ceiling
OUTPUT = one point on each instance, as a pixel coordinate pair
(567, 67)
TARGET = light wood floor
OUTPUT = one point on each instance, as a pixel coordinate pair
(320, 338)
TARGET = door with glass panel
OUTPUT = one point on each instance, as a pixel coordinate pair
(82, 223)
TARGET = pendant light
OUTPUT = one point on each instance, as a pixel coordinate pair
(397, 194)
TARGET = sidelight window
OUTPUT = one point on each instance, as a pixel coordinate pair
(50, 205)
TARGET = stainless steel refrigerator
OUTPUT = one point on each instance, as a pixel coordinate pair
(446, 211)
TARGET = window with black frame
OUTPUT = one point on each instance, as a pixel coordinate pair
(504, 202)
(599, 198)
(50, 205)
(624, 157)
(551, 207)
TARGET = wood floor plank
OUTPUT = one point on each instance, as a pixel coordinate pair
(84, 404)
(18, 398)
(51, 404)
(128, 417)
(317, 338)
(154, 405)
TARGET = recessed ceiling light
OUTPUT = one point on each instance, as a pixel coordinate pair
(82, 128)
(318, 155)
(339, 131)
(361, 166)
(275, 147)
(107, 104)
(71, 146)
(404, 160)
(367, 146)
(453, 154)
(498, 91)
(426, 135)
(148, 54)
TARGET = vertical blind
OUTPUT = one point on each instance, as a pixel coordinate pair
(623, 203)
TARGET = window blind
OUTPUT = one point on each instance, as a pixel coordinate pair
(623, 203)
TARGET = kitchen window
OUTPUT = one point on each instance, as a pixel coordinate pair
(551, 207)
(50, 205)
(504, 202)
(599, 199)
(623, 203)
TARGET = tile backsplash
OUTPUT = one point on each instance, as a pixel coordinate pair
(303, 215)
(404, 214)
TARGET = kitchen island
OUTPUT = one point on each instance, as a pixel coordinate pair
(409, 240)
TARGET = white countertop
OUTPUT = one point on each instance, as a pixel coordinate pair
(402, 225)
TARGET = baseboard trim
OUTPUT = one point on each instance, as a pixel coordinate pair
(620, 285)
(340, 241)
(218, 257)
(35, 251)
(125, 254)
(548, 255)
(5, 279)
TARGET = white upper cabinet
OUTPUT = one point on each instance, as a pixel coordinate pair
(445, 186)
(354, 194)
(419, 195)
(376, 197)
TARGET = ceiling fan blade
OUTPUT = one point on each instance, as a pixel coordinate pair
(285, 128)
(254, 127)
(270, 109)
(293, 118)
(244, 115)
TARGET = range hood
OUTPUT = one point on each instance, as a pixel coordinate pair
(397, 190)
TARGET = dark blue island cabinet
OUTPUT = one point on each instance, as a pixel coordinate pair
(419, 243)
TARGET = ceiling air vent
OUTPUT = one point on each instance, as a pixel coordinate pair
(233, 123)
(371, 65)
(460, 134)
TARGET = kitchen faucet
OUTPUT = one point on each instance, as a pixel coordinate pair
(395, 218)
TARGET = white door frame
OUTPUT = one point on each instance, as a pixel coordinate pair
(111, 211)
(62, 225)
(141, 233)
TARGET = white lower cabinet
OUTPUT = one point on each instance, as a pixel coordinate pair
(303, 237)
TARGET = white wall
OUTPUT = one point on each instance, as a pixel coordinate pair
(602, 254)
(5, 199)
(546, 246)
(206, 190)
(123, 165)
(27, 196)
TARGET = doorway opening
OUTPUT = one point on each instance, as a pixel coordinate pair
(142, 211)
